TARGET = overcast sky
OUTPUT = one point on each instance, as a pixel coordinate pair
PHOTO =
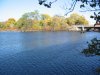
(16, 8)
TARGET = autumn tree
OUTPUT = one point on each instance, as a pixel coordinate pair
(29, 20)
(76, 19)
(45, 21)
(10, 23)
(1, 25)
(24, 23)
(59, 23)
(34, 21)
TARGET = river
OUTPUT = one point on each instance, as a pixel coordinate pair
(46, 53)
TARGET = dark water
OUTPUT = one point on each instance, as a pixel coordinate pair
(46, 53)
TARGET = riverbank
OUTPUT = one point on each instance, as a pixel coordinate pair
(44, 31)
(37, 30)
(68, 29)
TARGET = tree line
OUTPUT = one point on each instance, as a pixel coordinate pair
(34, 21)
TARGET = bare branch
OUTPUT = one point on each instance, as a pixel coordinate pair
(72, 5)
(72, 8)
(87, 4)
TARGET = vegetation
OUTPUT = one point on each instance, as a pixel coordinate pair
(76, 19)
(33, 21)
(93, 47)
(89, 5)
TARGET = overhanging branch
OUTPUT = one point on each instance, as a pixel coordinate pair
(84, 3)
(72, 7)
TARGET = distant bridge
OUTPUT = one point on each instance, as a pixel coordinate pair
(88, 28)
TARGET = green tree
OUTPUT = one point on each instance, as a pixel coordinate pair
(32, 15)
(37, 24)
(11, 22)
(45, 16)
(45, 21)
(58, 22)
(28, 21)
(82, 21)
(1, 25)
(24, 24)
(76, 19)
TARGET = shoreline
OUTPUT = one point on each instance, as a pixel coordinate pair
(45, 31)
(38, 30)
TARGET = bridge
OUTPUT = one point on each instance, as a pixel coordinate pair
(87, 28)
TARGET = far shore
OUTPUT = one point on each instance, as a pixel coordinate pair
(44, 31)
(38, 31)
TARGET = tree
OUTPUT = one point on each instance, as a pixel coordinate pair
(11, 22)
(32, 15)
(82, 21)
(24, 24)
(1, 26)
(36, 25)
(76, 19)
(59, 23)
(28, 20)
(45, 21)
(45, 16)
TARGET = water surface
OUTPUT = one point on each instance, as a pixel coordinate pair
(46, 53)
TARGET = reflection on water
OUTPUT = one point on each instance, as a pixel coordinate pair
(46, 53)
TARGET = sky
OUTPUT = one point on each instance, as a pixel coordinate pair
(16, 8)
